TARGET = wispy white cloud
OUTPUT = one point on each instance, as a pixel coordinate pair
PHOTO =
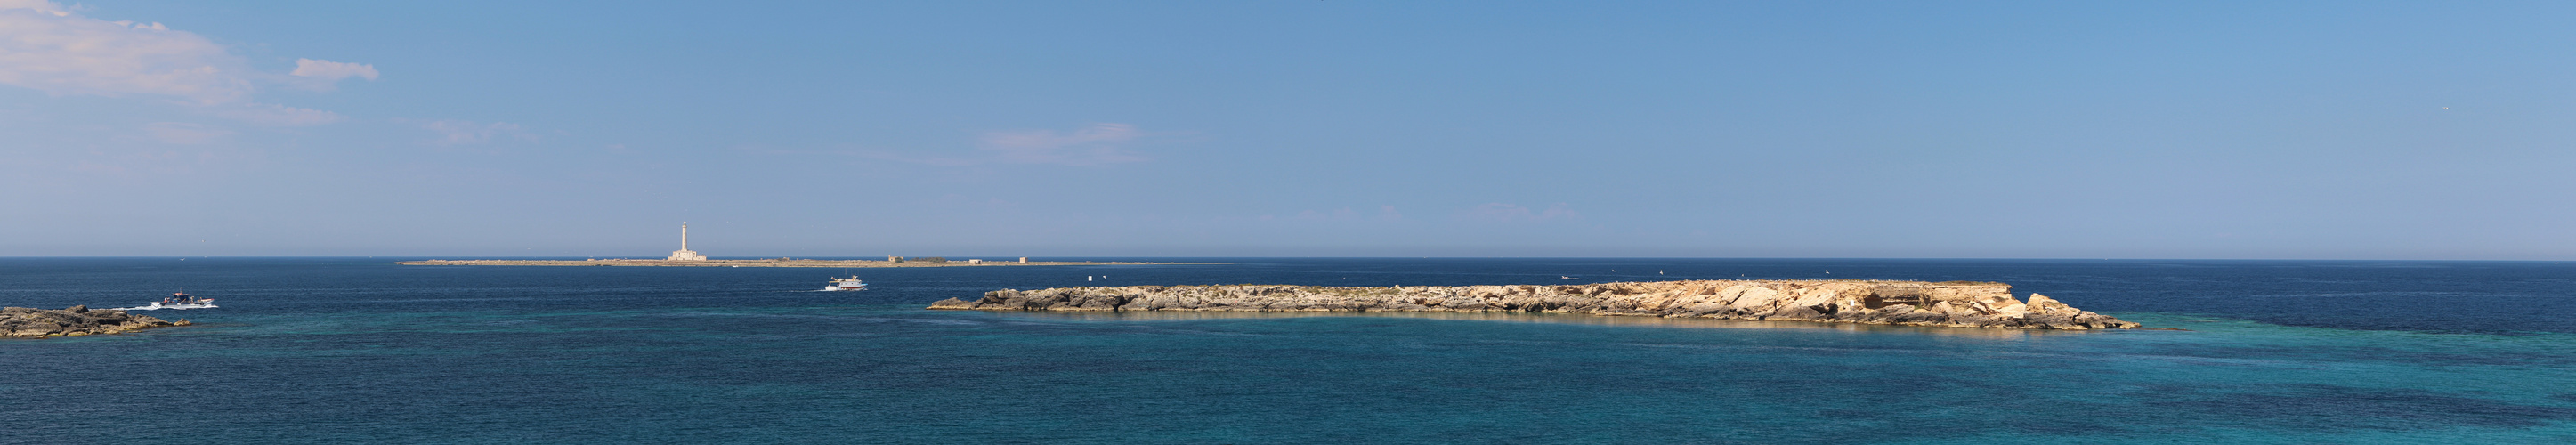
(941, 161)
(183, 133)
(42, 6)
(277, 115)
(453, 132)
(329, 70)
(1384, 213)
(1341, 214)
(327, 74)
(1095, 145)
(1495, 211)
(1098, 144)
(47, 47)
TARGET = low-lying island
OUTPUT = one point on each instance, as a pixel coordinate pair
(1911, 303)
(779, 262)
(74, 321)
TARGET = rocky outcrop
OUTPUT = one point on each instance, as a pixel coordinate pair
(73, 322)
(1912, 303)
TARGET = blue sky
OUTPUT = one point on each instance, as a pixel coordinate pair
(1293, 128)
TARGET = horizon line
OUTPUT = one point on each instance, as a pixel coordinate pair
(1314, 257)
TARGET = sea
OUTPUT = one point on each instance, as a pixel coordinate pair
(342, 350)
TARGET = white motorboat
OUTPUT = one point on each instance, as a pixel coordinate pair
(177, 300)
(842, 284)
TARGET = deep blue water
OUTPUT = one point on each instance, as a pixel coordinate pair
(358, 349)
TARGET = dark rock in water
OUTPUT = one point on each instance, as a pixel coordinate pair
(1912, 303)
(72, 322)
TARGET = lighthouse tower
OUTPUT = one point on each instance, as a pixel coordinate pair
(684, 254)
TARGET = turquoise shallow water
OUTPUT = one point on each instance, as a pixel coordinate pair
(315, 350)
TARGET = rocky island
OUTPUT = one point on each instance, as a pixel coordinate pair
(1909, 303)
(73, 322)
(777, 262)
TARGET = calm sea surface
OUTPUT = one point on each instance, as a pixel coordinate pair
(357, 349)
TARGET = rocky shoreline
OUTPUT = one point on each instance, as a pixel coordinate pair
(1909, 303)
(75, 321)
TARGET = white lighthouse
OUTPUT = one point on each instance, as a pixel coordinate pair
(684, 254)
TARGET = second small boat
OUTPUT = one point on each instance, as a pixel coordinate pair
(180, 300)
(842, 284)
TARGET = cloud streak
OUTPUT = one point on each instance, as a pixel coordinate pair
(1098, 144)
(278, 115)
(49, 48)
(453, 132)
(327, 74)
(1502, 212)
(183, 133)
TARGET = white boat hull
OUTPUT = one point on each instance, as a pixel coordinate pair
(158, 306)
(842, 284)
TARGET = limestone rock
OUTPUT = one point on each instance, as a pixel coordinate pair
(1914, 303)
(71, 322)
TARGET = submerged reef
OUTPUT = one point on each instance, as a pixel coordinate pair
(74, 321)
(1910, 303)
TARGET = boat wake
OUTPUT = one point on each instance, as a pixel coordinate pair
(180, 300)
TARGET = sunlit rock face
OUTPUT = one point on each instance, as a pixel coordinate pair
(1912, 303)
(72, 322)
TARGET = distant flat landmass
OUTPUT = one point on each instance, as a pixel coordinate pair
(779, 262)
(1909, 303)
